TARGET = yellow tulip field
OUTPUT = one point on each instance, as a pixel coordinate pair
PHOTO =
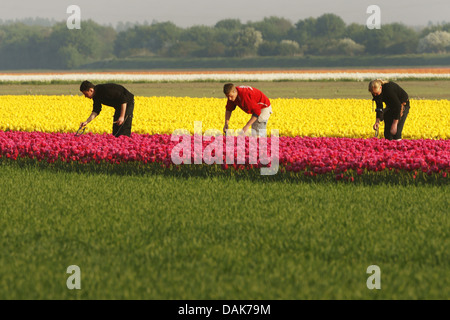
(353, 118)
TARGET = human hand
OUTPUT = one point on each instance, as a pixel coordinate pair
(376, 126)
(120, 121)
(83, 124)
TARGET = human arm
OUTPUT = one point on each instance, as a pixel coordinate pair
(91, 117)
(376, 126)
(227, 120)
(379, 106)
(123, 110)
(250, 122)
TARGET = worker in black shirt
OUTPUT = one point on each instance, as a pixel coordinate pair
(115, 96)
(397, 107)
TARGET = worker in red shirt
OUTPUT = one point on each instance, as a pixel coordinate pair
(250, 100)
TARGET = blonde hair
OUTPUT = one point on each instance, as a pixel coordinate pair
(375, 84)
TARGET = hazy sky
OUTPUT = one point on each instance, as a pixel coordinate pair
(186, 13)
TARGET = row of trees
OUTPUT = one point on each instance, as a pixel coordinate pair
(24, 46)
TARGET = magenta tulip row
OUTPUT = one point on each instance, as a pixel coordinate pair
(312, 156)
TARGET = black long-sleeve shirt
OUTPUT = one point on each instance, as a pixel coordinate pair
(393, 96)
(111, 94)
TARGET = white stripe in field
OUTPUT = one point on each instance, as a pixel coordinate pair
(358, 76)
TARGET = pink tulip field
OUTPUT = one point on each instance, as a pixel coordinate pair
(340, 158)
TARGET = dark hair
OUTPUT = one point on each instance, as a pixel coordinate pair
(86, 85)
(227, 88)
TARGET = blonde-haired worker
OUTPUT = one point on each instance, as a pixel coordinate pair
(397, 107)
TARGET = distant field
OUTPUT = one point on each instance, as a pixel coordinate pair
(435, 89)
(278, 62)
(165, 236)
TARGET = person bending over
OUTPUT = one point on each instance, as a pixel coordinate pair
(397, 107)
(113, 95)
(251, 101)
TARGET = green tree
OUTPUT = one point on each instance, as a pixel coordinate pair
(229, 24)
(357, 32)
(268, 48)
(126, 41)
(24, 47)
(304, 31)
(433, 28)
(435, 42)
(72, 47)
(84, 40)
(246, 43)
(273, 28)
(392, 38)
(289, 48)
(330, 26)
(184, 49)
(344, 46)
(155, 39)
(202, 35)
(69, 57)
(161, 36)
(106, 38)
(215, 49)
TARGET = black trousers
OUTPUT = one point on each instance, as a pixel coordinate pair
(125, 128)
(388, 119)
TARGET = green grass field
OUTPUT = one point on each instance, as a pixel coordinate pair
(167, 237)
(163, 236)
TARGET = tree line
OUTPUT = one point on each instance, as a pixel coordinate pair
(25, 46)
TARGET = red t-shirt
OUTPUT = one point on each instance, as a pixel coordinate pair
(250, 100)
